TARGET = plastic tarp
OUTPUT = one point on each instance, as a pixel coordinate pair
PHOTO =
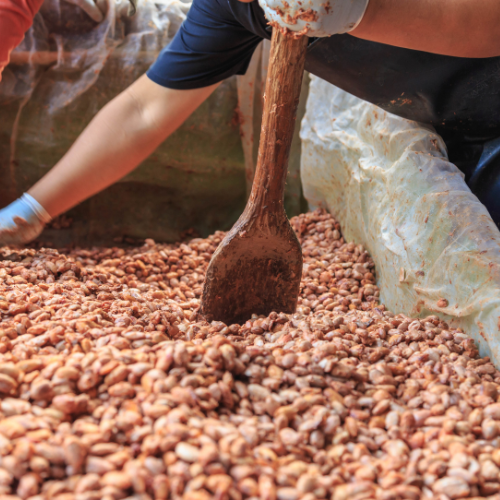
(390, 184)
(76, 48)
(69, 67)
(65, 71)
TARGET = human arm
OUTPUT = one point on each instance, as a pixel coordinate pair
(125, 132)
(461, 28)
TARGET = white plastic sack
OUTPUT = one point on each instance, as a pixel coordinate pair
(392, 188)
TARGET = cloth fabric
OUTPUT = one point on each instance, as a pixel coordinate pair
(484, 179)
(216, 41)
(16, 17)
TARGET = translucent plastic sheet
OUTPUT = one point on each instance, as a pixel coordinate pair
(76, 48)
(389, 182)
(70, 67)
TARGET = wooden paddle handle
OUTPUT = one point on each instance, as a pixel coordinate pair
(284, 80)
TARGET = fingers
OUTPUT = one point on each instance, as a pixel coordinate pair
(19, 235)
(20, 222)
(90, 8)
(6, 232)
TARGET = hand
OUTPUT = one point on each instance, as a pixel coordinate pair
(315, 18)
(22, 221)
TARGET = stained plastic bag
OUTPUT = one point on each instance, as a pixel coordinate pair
(390, 184)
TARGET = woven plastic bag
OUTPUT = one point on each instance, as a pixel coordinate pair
(390, 184)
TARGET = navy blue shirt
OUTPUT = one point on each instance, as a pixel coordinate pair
(216, 41)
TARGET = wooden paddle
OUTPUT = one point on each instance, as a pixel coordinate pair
(258, 266)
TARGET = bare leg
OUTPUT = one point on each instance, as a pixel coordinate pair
(125, 132)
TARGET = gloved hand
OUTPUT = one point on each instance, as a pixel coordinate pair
(22, 221)
(315, 18)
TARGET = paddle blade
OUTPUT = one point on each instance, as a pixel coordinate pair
(253, 274)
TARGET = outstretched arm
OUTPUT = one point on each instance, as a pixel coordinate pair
(462, 28)
(125, 132)
(122, 134)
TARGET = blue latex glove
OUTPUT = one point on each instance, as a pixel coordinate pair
(22, 221)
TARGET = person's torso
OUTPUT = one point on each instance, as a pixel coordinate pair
(455, 95)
